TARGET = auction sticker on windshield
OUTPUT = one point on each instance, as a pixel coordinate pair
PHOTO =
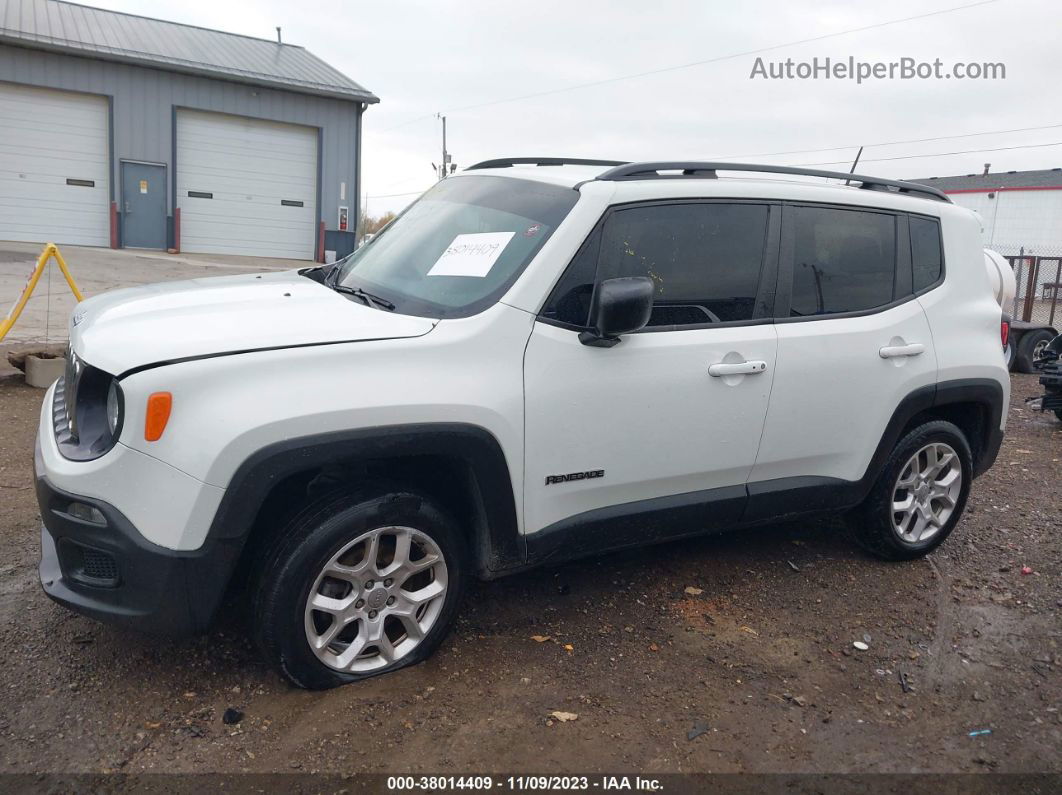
(471, 254)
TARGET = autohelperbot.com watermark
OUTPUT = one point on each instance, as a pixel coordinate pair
(851, 68)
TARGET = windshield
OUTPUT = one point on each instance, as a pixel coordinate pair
(459, 247)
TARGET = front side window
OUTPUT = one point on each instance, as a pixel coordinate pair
(459, 247)
(843, 260)
(704, 260)
(927, 259)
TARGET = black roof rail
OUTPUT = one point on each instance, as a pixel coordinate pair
(506, 162)
(651, 170)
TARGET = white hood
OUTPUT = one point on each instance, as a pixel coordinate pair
(130, 328)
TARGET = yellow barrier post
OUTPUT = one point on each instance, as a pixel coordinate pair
(50, 251)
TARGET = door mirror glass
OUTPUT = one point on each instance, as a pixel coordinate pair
(619, 306)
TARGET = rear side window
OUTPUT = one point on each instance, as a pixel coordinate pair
(704, 259)
(927, 259)
(843, 260)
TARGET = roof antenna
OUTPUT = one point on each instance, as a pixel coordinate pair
(278, 35)
(854, 164)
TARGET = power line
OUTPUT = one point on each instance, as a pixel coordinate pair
(939, 154)
(888, 143)
(704, 62)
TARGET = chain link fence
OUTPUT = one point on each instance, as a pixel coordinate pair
(1038, 273)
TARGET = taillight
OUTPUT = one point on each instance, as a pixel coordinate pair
(1004, 332)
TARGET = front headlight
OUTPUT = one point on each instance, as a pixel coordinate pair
(87, 411)
(113, 406)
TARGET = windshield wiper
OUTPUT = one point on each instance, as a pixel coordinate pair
(368, 298)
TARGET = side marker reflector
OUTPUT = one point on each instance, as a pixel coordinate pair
(158, 414)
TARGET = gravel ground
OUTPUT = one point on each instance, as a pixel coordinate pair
(747, 635)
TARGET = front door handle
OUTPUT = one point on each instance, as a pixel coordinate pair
(896, 351)
(738, 368)
(127, 206)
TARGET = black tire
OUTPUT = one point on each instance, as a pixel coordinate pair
(1030, 340)
(308, 541)
(1058, 413)
(871, 523)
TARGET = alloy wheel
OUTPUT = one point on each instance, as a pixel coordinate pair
(926, 493)
(376, 599)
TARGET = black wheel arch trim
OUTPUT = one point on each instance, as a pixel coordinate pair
(498, 548)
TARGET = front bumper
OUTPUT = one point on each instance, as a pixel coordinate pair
(109, 571)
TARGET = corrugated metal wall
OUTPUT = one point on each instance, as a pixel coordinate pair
(1013, 219)
(144, 99)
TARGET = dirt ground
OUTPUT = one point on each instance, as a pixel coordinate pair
(761, 656)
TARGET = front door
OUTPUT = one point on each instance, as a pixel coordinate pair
(143, 205)
(652, 432)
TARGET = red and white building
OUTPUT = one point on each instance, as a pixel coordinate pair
(1021, 209)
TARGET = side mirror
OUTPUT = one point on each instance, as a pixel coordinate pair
(619, 306)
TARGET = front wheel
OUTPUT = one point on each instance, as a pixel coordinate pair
(359, 585)
(919, 496)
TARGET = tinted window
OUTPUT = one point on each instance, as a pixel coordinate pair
(843, 260)
(704, 258)
(926, 256)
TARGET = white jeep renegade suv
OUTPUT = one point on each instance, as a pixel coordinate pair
(539, 359)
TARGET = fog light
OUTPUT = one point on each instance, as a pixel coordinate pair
(86, 513)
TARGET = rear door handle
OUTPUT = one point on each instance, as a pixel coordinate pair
(739, 368)
(896, 351)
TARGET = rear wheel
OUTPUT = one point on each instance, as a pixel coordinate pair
(919, 496)
(359, 585)
(1030, 346)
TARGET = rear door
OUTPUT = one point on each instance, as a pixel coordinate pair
(650, 429)
(853, 342)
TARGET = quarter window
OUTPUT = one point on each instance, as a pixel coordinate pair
(570, 302)
(843, 260)
(926, 256)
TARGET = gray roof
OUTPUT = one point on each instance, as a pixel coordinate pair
(110, 35)
(1046, 178)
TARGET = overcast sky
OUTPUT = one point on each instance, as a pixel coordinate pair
(425, 56)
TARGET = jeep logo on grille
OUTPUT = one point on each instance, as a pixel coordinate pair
(592, 473)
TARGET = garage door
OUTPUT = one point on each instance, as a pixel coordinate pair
(246, 186)
(54, 163)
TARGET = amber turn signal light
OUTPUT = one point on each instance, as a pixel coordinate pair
(158, 414)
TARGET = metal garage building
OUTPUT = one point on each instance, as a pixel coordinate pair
(127, 131)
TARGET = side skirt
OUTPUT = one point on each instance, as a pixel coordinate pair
(687, 515)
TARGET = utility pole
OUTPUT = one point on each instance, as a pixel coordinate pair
(444, 167)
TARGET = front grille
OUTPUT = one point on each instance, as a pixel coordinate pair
(60, 418)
